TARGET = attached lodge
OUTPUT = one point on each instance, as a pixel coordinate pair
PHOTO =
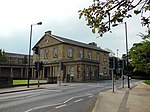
(79, 61)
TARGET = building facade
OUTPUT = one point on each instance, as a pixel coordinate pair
(71, 60)
(16, 65)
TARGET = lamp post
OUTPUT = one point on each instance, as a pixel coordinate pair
(127, 58)
(29, 70)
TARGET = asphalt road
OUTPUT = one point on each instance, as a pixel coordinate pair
(77, 97)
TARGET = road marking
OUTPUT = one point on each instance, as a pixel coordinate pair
(42, 107)
(60, 106)
(78, 100)
(68, 100)
(91, 96)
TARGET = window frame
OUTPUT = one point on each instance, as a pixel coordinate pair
(90, 55)
(81, 53)
(70, 52)
(55, 52)
(46, 51)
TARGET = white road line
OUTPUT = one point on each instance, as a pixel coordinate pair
(68, 100)
(60, 106)
(42, 107)
(78, 100)
(91, 96)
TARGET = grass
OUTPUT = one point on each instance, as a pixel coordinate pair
(147, 82)
(23, 82)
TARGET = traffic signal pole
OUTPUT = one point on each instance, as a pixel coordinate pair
(112, 80)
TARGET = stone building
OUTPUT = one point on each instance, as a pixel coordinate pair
(16, 65)
(78, 61)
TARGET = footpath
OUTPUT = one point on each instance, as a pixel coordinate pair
(135, 99)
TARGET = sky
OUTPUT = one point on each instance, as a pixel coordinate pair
(62, 18)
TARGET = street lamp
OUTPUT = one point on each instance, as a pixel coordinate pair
(127, 58)
(29, 70)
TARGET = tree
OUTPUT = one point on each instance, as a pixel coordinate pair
(3, 58)
(140, 57)
(100, 15)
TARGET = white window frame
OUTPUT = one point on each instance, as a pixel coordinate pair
(81, 53)
(46, 54)
(70, 55)
(55, 52)
(90, 55)
(71, 70)
(97, 56)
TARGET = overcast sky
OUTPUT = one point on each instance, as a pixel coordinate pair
(62, 18)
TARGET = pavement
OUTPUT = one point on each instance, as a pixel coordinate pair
(135, 99)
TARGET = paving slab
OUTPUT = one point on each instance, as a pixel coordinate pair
(136, 99)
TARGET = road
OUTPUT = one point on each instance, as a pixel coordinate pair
(77, 97)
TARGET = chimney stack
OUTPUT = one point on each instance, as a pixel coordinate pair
(49, 32)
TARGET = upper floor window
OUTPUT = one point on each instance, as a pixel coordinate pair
(55, 52)
(105, 57)
(90, 55)
(81, 53)
(46, 41)
(97, 57)
(46, 54)
(70, 52)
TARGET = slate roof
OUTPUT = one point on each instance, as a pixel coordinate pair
(76, 43)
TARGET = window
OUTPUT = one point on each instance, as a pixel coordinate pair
(105, 57)
(46, 41)
(105, 70)
(97, 57)
(46, 54)
(90, 55)
(58, 71)
(70, 52)
(81, 53)
(55, 52)
(71, 71)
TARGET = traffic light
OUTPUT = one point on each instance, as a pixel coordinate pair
(120, 64)
(111, 62)
(41, 65)
(37, 50)
(115, 62)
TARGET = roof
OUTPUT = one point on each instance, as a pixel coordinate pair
(73, 42)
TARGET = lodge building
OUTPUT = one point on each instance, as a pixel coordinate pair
(71, 60)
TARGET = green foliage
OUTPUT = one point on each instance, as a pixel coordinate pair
(140, 57)
(3, 58)
(147, 82)
(100, 15)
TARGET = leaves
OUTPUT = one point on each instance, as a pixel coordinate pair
(137, 12)
(97, 15)
(140, 56)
